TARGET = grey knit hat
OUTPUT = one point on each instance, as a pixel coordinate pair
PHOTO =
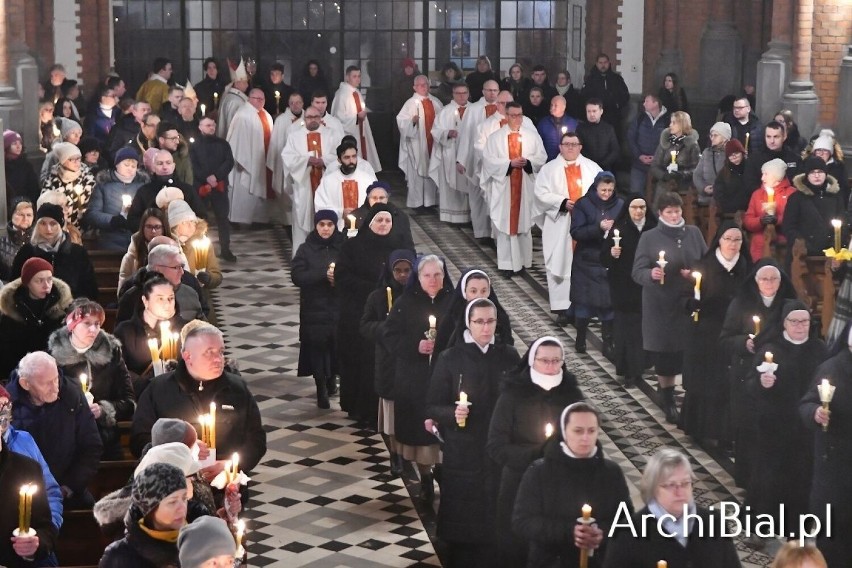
(167, 430)
(207, 537)
(153, 484)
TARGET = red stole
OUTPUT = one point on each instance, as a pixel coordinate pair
(504, 122)
(461, 112)
(429, 120)
(516, 180)
(350, 194)
(575, 180)
(267, 135)
(357, 97)
(315, 149)
(490, 109)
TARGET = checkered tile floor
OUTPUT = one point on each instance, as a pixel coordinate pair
(323, 496)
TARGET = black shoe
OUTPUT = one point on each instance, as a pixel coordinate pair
(582, 326)
(668, 405)
(631, 381)
(487, 242)
(397, 465)
(506, 273)
(227, 256)
(331, 385)
(562, 319)
(322, 393)
(427, 489)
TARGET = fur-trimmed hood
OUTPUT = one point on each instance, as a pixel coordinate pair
(111, 508)
(56, 311)
(688, 140)
(832, 186)
(99, 355)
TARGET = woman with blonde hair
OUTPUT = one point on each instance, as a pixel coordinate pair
(793, 555)
(676, 157)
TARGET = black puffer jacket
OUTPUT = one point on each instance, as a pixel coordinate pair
(809, 213)
(138, 549)
(589, 285)
(71, 264)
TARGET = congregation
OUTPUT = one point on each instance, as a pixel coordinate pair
(683, 249)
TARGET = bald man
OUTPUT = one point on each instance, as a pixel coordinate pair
(249, 135)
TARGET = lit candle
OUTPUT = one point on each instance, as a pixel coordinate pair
(25, 508)
(662, 262)
(202, 421)
(770, 196)
(165, 339)
(746, 144)
(462, 401)
(564, 130)
(390, 298)
(585, 519)
(277, 98)
(587, 512)
(202, 251)
(616, 237)
(697, 276)
(663, 563)
(241, 531)
(215, 100)
(126, 200)
(203, 109)
(351, 222)
(756, 321)
(674, 156)
(175, 344)
(84, 382)
(155, 351)
(22, 506)
(235, 465)
(433, 321)
(548, 430)
(768, 356)
(212, 419)
(462, 397)
(837, 224)
(826, 393)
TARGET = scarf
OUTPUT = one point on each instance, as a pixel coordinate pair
(164, 536)
(677, 225)
(563, 90)
(51, 247)
(727, 264)
(676, 140)
(547, 382)
(124, 179)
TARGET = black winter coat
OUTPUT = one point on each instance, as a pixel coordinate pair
(589, 285)
(146, 198)
(21, 181)
(476, 80)
(625, 551)
(211, 155)
(133, 335)
(26, 324)
(611, 89)
(809, 213)
(469, 476)
(64, 430)
(551, 496)
(729, 189)
(625, 293)
(177, 395)
(372, 327)
(71, 264)
(17, 470)
(10, 244)
(140, 550)
(600, 143)
(109, 381)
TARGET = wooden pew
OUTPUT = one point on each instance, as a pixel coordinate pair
(813, 280)
(105, 258)
(111, 475)
(80, 541)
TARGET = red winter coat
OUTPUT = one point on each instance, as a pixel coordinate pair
(751, 219)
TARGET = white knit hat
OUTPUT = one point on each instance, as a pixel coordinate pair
(776, 167)
(723, 129)
(180, 211)
(167, 195)
(65, 151)
(825, 141)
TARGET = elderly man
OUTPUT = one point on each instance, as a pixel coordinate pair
(415, 121)
(552, 127)
(168, 138)
(344, 189)
(52, 408)
(351, 109)
(212, 161)
(512, 156)
(163, 176)
(249, 135)
(233, 99)
(453, 186)
(199, 381)
(285, 122)
(559, 184)
(155, 91)
(309, 151)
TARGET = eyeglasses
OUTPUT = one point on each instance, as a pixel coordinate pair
(544, 361)
(153, 228)
(571, 144)
(637, 207)
(732, 239)
(179, 267)
(171, 138)
(798, 322)
(673, 485)
(489, 322)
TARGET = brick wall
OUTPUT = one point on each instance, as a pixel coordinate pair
(39, 31)
(832, 31)
(94, 47)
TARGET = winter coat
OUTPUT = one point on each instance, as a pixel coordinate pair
(589, 285)
(643, 135)
(756, 159)
(26, 324)
(476, 80)
(710, 163)
(611, 89)
(470, 478)
(21, 181)
(551, 496)
(138, 549)
(701, 551)
(600, 144)
(674, 104)
(626, 294)
(65, 430)
(535, 112)
(105, 207)
(71, 264)
(318, 298)
(23, 443)
(125, 130)
(729, 190)
(666, 330)
(133, 335)
(519, 89)
(78, 192)
(752, 127)
(211, 155)
(109, 381)
(10, 244)
(98, 125)
(214, 269)
(809, 213)
(755, 211)
(404, 328)
(686, 159)
(146, 198)
(372, 325)
(550, 130)
(17, 470)
(190, 301)
(177, 395)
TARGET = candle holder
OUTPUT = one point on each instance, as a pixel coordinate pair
(768, 365)
(662, 262)
(616, 237)
(826, 393)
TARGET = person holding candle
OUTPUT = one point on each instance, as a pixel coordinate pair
(16, 471)
(376, 310)
(470, 478)
(31, 308)
(723, 271)
(730, 193)
(190, 232)
(761, 295)
(532, 396)
(810, 211)
(825, 146)
(554, 126)
(163, 176)
(152, 224)
(107, 210)
(767, 206)
(676, 157)
(360, 263)
(556, 489)
(832, 482)
(313, 271)
(379, 192)
(82, 347)
(408, 337)
(617, 256)
(667, 489)
(664, 323)
(784, 447)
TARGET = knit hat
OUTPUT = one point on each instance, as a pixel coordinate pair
(64, 151)
(32, 267)
(177, 454)
(723, 129)
(205, 538)
(604, 176)
(20, 202)
(325, 215)
(733, 146)
(776, 167)
(125, 153)
(179, 211)
(67, 126)
(813, 163)
(166, 430)
(10, 137)
(825, 141)
(153, 484)
(51, 211)
(379, 185)
(166, 196)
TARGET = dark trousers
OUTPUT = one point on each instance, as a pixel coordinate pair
(221, 205)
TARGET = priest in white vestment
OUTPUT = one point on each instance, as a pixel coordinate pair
(415, 121)
(344, 189)
(510, 160)
(289, 120)
(319, 101)
(559, 184)
(309, 151)
(233, 99)
(453, 186)
(249, 136)
(350, 108)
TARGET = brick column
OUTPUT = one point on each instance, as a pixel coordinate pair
(800, 96)
(671, 58)
(774, 67)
